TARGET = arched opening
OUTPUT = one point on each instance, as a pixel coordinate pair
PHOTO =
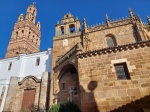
(62, 30)
(72, 28)
(69, 85)
(33, 12)
(111, 41)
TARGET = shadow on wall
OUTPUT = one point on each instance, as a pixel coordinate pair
(88, 103)
(140, 105)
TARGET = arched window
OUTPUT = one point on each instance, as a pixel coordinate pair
(111, 42)
(16, 33)
(33, 11)
(36, 41)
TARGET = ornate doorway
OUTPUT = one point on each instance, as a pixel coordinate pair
(28, 100)
(69, 85)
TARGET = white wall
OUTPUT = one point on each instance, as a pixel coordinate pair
(22, 66)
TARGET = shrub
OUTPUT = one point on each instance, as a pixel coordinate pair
(66, 107)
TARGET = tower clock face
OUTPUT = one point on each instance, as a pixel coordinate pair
(65, 42)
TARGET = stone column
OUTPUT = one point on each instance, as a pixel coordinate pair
(12, 89)
(44, 92)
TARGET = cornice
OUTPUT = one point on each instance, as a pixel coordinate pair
(65, 36)
(27, 41)
(114, 49)
(113, 23)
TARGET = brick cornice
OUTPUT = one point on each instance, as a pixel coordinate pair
(114, 49)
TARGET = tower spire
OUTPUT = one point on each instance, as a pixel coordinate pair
(31, 13)
(25, 37)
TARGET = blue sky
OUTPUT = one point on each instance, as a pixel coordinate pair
(50, 11)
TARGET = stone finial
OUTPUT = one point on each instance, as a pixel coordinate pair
(34, 3)
(131, 13)
(84, 24)
(139, 18)
(21, 17)
(57, 22)
(148, 19)
(77, 18)
(107, 20)
(38, 25)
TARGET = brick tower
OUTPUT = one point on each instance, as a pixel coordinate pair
(26, 34)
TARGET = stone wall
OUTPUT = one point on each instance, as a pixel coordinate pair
(58, 51)
(14, 98)
(100, 88)
(122, 34)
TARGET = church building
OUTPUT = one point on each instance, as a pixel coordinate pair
(101, 68)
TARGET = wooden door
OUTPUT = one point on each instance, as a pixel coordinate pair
(28, 100)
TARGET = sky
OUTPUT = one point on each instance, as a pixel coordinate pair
(50, 11)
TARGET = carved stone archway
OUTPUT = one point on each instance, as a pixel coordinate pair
(29, 86)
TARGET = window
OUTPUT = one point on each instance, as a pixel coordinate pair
(16, 33)
(10, 65)
(63, 86)
(33, 11)
(32, 18)
(37, 61)
(122, 71)
(36, 41)
(110, 41)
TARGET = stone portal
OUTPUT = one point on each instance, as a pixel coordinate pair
(69, 85)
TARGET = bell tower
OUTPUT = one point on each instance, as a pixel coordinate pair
(26, 34)
(31, 13)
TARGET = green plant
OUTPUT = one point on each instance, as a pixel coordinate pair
(66, 107)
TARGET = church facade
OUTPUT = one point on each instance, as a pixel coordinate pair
(102, 68)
